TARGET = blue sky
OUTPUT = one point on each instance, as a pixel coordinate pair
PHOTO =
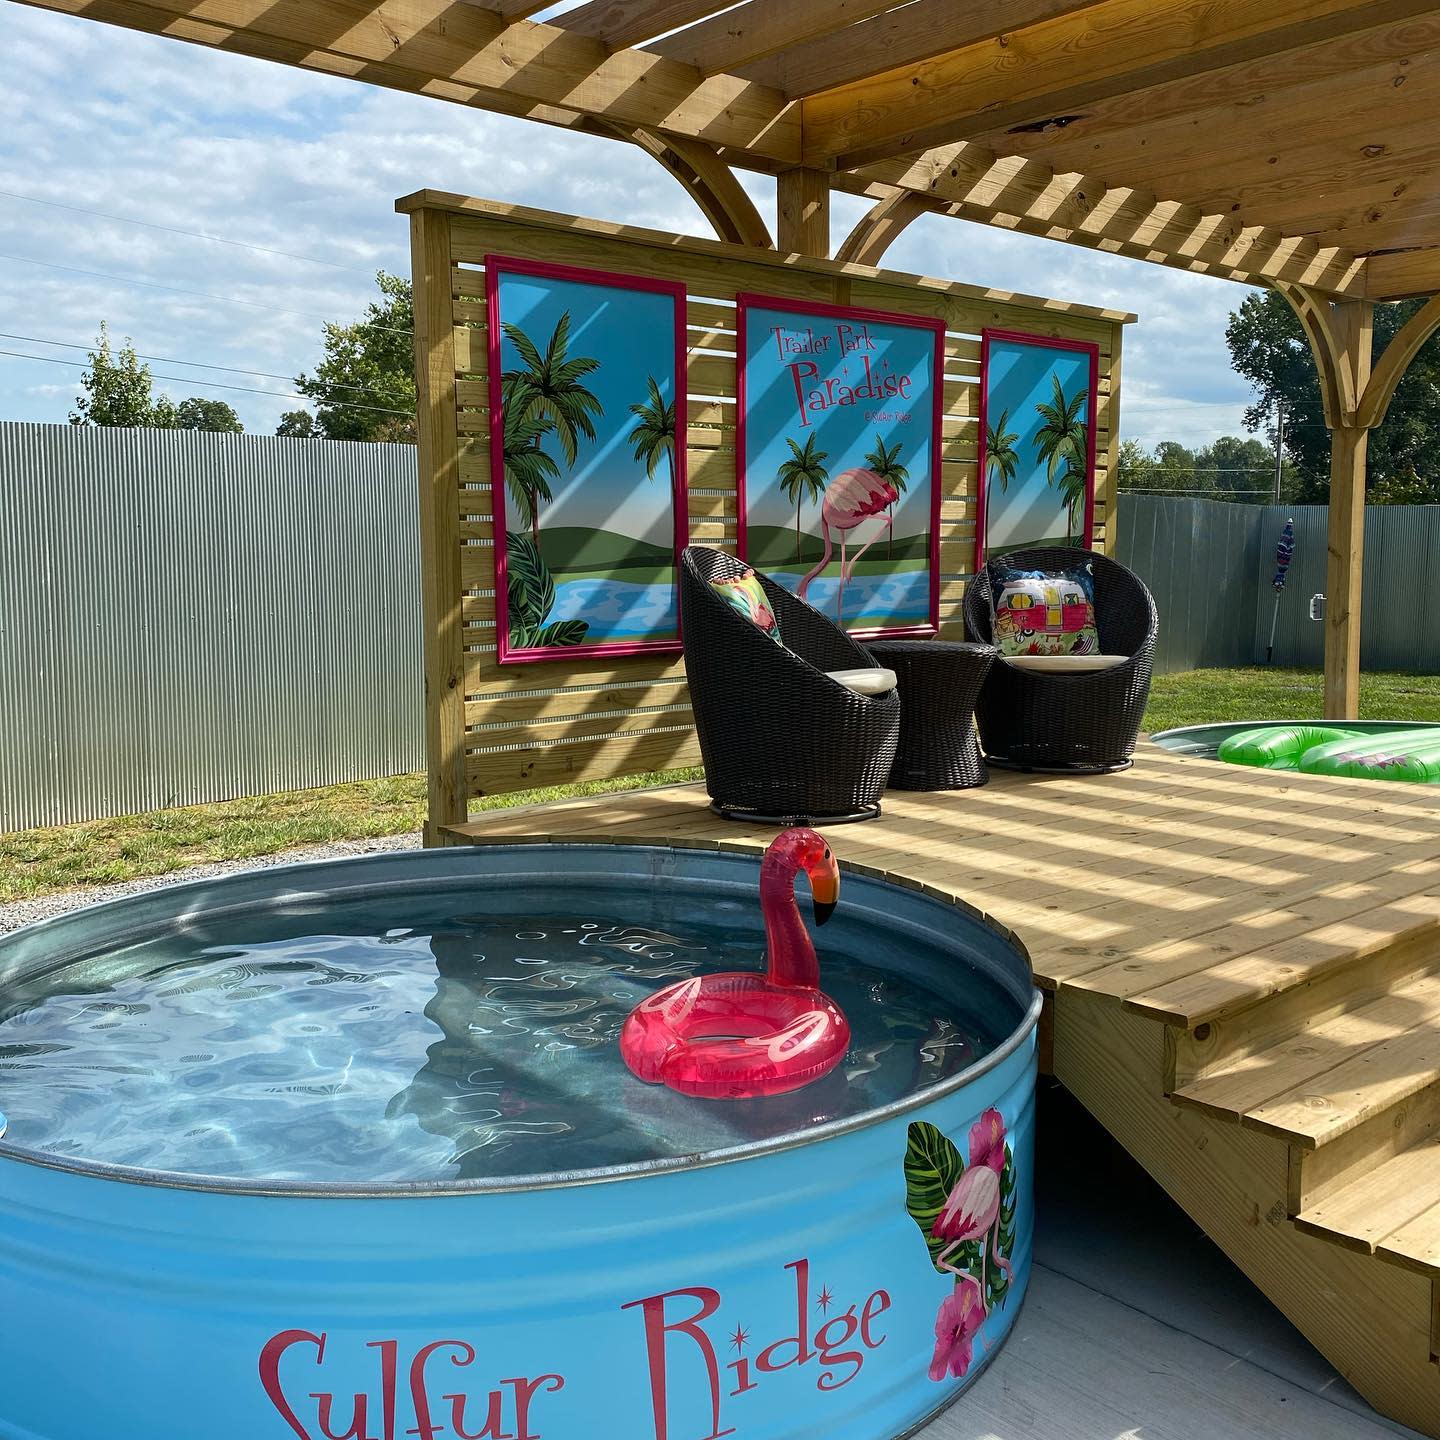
(261, 155)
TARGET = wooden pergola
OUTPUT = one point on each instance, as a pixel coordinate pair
(1286, 143)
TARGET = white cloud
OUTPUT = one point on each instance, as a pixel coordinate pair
(197, 139)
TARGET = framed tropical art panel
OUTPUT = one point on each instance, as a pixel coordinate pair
(587, 459)
(838, 438)
(1037, 443)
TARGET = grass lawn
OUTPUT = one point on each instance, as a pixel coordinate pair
(1196, 697)
(38, 862)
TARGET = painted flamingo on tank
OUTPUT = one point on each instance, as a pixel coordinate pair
(853, 497)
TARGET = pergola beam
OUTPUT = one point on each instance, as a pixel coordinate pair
(633, 22)
(1372, 68)
(1059, 66)
(448, 47)
(758, 28)
(918, 31)
(1024, 195)
(1402, 275)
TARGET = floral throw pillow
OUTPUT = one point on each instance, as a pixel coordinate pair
(1045, 612)
(746, 594)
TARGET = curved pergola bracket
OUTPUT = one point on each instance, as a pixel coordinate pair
(1395, 360)
(880, 227)
(1337, 378)
(710, 183)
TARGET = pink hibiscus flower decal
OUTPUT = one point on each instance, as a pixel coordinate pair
(987, 1142)
(956, 1326)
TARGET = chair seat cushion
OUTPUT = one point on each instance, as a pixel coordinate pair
(868, 680)
(1064, 664)
(1044, 612)
(746, 595)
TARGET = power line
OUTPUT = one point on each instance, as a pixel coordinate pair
(177, 290)
(192, 234)
(216, 385)
(195, 364)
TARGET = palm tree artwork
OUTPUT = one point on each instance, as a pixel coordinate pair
(885, 463)
(1062, 442)
(1001, 457)
(547, 392)
(653, 437)
(803, 476)
(542, 399)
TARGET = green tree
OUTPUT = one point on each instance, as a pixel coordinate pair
(299, 425)
(1002, 459)
(364, 388)
(1134, 467)
(1062, 442)
(653, 437)
(118, 394)
(216, 415)
(117, 388)
(1268, 347)
(886, 464)
(803, 474)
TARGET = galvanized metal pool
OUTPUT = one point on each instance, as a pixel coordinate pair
(345, 1151)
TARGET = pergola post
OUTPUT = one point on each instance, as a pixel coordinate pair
(802, 222)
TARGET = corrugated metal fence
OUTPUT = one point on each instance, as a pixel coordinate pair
(188, 617)
(1209, 566)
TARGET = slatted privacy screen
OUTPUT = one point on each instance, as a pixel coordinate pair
(494, 728)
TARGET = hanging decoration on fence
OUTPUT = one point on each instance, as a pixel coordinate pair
(1284, 554)
(1037, 443)
(839, 446)
(587, 459)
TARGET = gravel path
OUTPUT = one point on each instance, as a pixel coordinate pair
(26, 912)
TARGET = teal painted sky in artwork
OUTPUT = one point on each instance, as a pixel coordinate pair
(632, 334)
(839, 350)
(1029, 510)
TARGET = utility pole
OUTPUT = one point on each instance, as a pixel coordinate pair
(1279, 444)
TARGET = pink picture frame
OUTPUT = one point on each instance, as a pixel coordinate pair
(497, 267)
(749, 305)
(989, 338)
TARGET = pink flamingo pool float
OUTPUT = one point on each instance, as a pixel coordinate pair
(740, 1034)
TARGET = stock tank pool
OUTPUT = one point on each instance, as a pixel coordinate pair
(346, 1151)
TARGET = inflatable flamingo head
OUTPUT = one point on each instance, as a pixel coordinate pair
(799, 849)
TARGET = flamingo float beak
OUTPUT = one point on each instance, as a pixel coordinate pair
(825, 886)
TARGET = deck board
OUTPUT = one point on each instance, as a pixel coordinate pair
(1121, 884)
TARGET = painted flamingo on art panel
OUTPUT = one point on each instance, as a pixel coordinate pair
(853, 497)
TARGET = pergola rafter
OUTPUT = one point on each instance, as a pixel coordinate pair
(1286, 143)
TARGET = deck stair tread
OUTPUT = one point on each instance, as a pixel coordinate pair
(1393, 1210)
(1337, 1074)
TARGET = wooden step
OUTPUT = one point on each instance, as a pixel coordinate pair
(1392, 1211)
(1335, 1076)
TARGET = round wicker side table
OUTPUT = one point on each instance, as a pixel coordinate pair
(939, 681)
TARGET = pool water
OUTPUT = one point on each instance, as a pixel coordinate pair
(442, 1036)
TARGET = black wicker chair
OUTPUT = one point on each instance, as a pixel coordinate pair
(1085, 722)
(780, 740)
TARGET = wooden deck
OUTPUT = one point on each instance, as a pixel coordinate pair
(1243, 972)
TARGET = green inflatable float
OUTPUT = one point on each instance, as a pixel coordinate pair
(1412, 755)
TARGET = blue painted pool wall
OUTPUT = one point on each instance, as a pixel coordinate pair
(546, 1286)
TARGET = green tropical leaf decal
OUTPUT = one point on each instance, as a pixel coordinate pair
(562, 632)
(529, 588)
(933, 1168)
